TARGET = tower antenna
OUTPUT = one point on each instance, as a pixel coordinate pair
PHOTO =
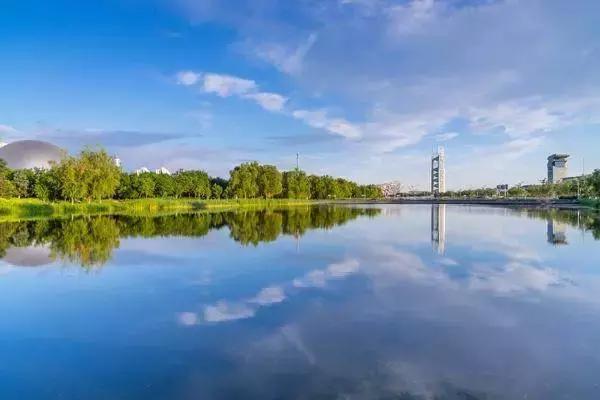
(297, 161)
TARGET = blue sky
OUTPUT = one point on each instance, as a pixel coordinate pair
(361, 88)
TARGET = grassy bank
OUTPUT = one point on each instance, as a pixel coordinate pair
(591, 203)
(33, 208)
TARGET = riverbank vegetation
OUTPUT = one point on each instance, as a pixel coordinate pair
(12, 209)
(92, 176)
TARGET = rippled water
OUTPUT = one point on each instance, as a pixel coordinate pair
(390, 302)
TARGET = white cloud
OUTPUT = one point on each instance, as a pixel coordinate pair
(514, 277)
(528, 73)
(227, 85)
(344, 268)
(320, 119)
(269, 295)
(223, 311)
(316, 278)
(389, 131)
(319, 278)
(444, 137)
(448, 262)
(188, 78)
(269, 101)
(515, 118)
(6, 129)
(286, 59)
(412, 17)
(187, 318)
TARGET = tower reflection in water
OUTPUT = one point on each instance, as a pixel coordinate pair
(557, 232)
(438, 228)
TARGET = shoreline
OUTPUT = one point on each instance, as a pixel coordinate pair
(17, 209)
(528, 203)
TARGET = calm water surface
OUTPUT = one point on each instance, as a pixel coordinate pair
(390, 302)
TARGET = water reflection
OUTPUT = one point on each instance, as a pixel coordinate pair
(557, 222)
(557, 232)
(89, 241)
(367, 311)
(438, 227)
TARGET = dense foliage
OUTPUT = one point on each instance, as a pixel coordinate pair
(93, 175)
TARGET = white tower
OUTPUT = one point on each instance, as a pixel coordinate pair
(438, 172)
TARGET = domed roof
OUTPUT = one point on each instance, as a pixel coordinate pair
(31, 256)
(30, 154)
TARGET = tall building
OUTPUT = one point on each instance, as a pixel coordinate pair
(438, 172)
(557, 167)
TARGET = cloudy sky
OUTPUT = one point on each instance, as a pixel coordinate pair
(363, 89)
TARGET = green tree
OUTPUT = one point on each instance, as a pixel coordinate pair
(7, 189)
(182, 184)
(70, 177)
(164, 185)
(317, 187)
(269, 181)
(145, 185)
(517, 191)
(594, 182)
(296, 185)
(100, 174)
(243, 181)
(21, 180)
(200, 185)
(46, 185)
(216, 191)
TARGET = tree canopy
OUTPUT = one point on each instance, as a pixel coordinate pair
(93, 175)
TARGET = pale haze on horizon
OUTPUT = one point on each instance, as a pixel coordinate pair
(362, 89)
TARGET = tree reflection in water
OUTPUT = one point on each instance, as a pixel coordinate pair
(89, 241)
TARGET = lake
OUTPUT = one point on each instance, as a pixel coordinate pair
(330, 302)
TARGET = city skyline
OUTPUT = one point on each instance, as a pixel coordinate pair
(360, 88)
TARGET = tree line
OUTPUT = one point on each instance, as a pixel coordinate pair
(585, 187)
(93, 175)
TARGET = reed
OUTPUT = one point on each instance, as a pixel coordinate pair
(33, 208)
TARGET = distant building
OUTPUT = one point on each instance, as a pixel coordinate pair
(163, 170)
(502, 190)
(142, 170)
(391, 189)
(438, 172)
(29, 154)
(576, 178)
(557, 168)
(117, 161)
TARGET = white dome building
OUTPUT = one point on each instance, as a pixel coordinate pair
(30, 256)
(27, 154)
